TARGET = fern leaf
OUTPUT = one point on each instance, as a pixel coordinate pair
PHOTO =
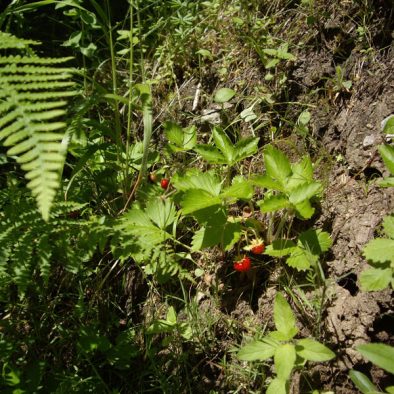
(32, 103)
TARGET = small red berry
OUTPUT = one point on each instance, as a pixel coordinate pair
(242, 265)
(164, 183)
(258, 249)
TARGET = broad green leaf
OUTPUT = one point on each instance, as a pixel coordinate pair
(256, 350)
(171, 315)
(277, 386)
(390, 389)
(301, 259)
(388, 225)
(180, 139)
(380, 354)
(284, 359)
(283, 315)
(389, 126)
(379, 250)
(197, 199)
(283, 53)
(277, 164)
(246, 147)
(206, 237)
(136, 222)
(362, 382)
(162, 213)
(273, 203)
(231, 235)
(195, 179)
(267, 182)
(160, 327)
(214, 216)
(223, 95)
(302, 173)
(211, 235)
(304, 117)
(280, 248)
(315, 241)
(305, 209)
(305, 192)
(386, 182)
(280, 336)
(387, 153)
(210, 154)
(240, 189)
(376, 279)
(223, 142)
(312, 350)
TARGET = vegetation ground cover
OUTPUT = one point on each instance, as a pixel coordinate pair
(196, 196)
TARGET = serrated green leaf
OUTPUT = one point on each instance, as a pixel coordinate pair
(376, 279)
(267, 182)
(315, 241)
(273, 203)
(197, 199)
(312, 350)
(180, 139)
(210, 154)
(362, 382)
(256, 350)
(305, 192)
(301, 259)
(284, 359)
(380, 354)
(280, 248)
(305, 209)
(239, 190)
(277, 164)
(302, 173)
(388, 225)
(379, 250)
(223, 95)
(162, 213)
(387, 153)
(194, 179)
(277, 386)
(283, 315)
(224, 144)
(231, 235)
(246, 147)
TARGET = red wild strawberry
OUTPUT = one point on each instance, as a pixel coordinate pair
(242, 265)
(164, 183)
(258, 249)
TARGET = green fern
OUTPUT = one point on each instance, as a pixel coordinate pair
(31, 250)
(32, 99)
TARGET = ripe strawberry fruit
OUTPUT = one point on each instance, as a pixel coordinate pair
(258, 249)
(242, 265)
(164, 183)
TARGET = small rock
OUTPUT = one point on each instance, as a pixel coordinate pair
(369, 140)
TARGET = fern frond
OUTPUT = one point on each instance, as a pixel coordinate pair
(32, 101)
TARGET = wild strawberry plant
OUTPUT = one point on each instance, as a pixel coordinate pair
(288, 353)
